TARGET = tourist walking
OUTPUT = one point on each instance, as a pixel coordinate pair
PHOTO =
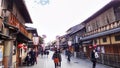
(57, 58)
(93, 57)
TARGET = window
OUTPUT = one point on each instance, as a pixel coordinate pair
(104, 40)
(117, 38)
(95, 41)
(14, 50)
(89, 28)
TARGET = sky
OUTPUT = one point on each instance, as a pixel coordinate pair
(56, 16)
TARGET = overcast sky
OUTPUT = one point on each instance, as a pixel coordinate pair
(58, 16)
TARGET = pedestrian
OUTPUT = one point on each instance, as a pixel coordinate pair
(93, 57)
(60, 58)
(47, 52)
(68, 55)
(32, 55)
(42, 52)
(27, 59)
(57, 58)
(35, 56)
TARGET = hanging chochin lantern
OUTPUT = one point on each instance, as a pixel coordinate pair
(20, 45)
(25, 47)
(95, 46)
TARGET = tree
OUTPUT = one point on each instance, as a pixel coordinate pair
(41, 40)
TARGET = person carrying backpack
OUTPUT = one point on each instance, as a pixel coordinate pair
(56, 58)
(93, 57)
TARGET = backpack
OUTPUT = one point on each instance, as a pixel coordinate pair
(56, 58)
(96, 55)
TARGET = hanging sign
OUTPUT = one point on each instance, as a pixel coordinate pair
(69, 43)
(35, 40)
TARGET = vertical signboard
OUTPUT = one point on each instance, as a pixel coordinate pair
(35, 40)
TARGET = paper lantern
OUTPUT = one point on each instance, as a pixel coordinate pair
(90, 47)
(25, 47)
(95, 46)
(20, 45)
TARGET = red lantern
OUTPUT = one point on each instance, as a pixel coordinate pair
(25, 47)
(90, 47)
(95, 46)
(20, 45)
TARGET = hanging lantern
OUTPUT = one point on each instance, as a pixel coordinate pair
(25, 47)
(20, 45)
(95, 46)
(90, 46)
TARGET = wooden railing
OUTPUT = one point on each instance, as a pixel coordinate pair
(12, 20)
(104, 28)
(109, 59)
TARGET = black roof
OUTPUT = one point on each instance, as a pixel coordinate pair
(32, 30)
(23, 10)
(106, 7)
(76, 28)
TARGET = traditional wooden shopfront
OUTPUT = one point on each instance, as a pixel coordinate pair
(103, 28)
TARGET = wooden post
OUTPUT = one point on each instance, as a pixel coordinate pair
(7, 60)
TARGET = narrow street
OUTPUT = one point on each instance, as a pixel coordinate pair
(47, 62)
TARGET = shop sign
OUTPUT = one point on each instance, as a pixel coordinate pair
(35, 40)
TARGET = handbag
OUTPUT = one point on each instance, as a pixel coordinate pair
(56, 60)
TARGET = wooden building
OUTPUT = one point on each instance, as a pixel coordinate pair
(74, 35)
(15, 15)
(103, 30)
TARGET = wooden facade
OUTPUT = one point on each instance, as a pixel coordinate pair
(103, 30)
(13, 16)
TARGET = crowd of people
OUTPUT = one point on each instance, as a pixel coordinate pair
(44, 52)
(31, 57)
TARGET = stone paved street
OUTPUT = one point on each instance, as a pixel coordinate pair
(47, 62)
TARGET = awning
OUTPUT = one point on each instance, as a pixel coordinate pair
(87, 42)
(112, 31)
(22, 38)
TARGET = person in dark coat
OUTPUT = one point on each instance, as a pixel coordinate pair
(57, 58)
(32, 55)
(35, 56)
(47, 52)
(93, 59)
(68, 53)
(27, 59)
(60, 58)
